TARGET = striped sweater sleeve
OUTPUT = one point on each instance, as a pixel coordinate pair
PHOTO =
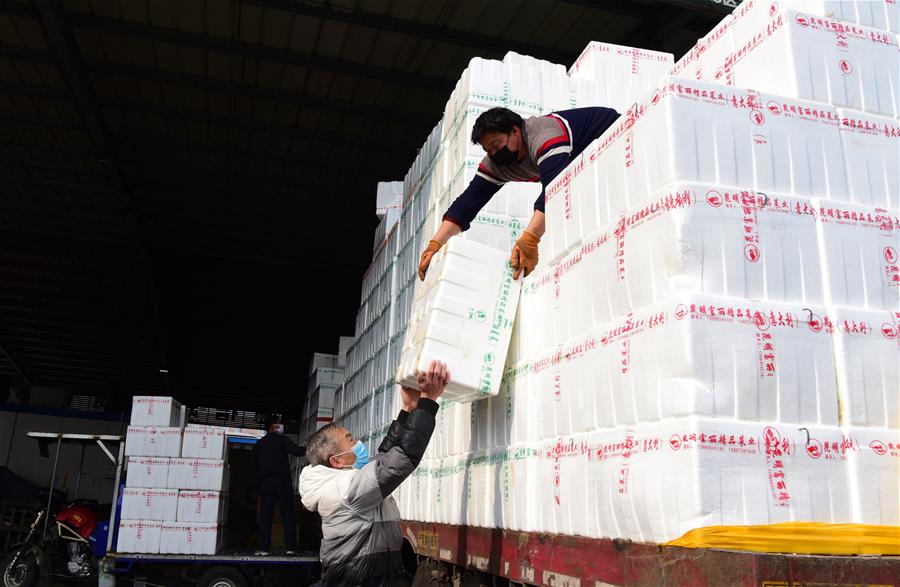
(466, 207)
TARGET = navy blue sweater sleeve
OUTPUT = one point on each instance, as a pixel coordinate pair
(550, 167)
(465, 208)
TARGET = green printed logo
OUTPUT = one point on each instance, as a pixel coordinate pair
(489, 358)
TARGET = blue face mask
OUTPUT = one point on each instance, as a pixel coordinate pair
(362, 454)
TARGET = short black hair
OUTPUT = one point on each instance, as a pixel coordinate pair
(270, 419)
(494, 120)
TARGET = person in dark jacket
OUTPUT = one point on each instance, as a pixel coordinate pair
(535, 149)
(360, 520)
(273, 473)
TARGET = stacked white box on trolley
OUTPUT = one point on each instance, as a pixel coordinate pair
(151, 410)
(158, 513)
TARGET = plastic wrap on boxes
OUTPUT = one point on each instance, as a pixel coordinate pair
(153, 441)
(139, 536)
(696, 132)
(201, 506)
(204, 474)
(871, 151)
(203, 442)
(151, 410)
(867, 365)
(147, 472)
(463, 316)
(873, 457)
(860, 252)
(149, 504)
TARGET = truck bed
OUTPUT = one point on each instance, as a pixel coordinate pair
(569, 561)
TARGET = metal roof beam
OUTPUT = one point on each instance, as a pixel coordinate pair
(63, 44)
(234, 47)
(251, 125)
(14, 365)
(207, 146)
(243, 89)
(422, 30)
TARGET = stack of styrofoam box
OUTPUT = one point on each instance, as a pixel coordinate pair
(463, 316)
(717, 337)
(174, 495)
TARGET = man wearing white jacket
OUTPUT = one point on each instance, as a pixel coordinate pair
(361, 537)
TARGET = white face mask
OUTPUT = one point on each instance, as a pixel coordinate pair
(279, 428)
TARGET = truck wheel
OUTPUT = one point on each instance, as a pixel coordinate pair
(222, 577)
(23, 574)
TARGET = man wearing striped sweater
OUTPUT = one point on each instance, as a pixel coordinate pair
(535, 149)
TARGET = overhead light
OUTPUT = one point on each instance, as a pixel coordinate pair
(163, 370)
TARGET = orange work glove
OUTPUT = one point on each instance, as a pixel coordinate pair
(432, 248)
(525, 254)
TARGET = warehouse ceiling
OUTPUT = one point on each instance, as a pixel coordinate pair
(187, 186)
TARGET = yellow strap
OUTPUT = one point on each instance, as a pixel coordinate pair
(797, 537)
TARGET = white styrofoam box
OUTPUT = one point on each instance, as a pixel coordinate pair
(149, 504)
(190, 538)
(201, 506)
(873, 456)
(483, 503)
(462, 316)
(867, 365)
(520, 403)
(818, 58)
(495, 231)
(388, 194)
(147, 472)
(326, 376)
(386, 226)
(654, 483)
(151, 410)
(696, 132)
(872, 154)
(860, 252)
(203, 442)
(621, 66)
(518, 480)
(139, 536)
(703, 355)
(562, 476)
(879, 14)
(344, 344)
(322, 360)
(685, 238)
(204, 474)
(153, 441)
(449, 497)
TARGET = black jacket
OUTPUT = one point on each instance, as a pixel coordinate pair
(271, 454)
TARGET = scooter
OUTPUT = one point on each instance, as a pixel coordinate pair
(67, 551)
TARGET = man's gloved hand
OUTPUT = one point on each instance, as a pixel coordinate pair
(432, 248)
(525, 254)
